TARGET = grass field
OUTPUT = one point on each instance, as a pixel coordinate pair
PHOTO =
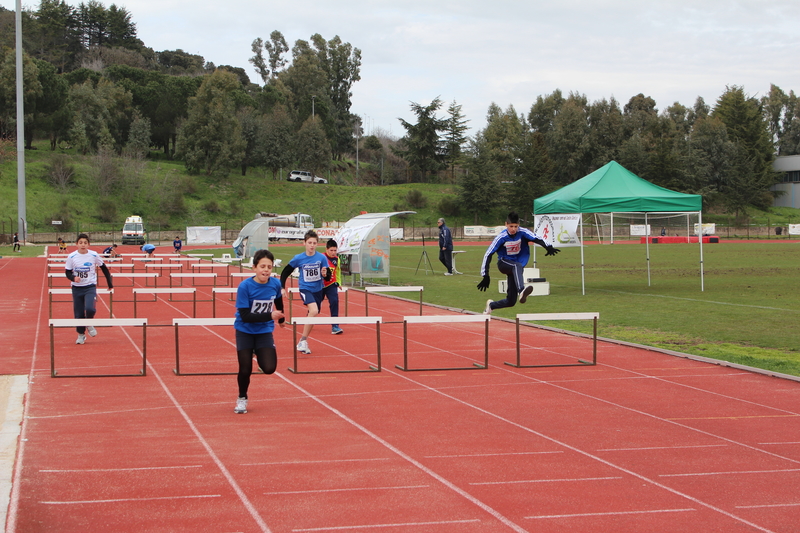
(748, 313)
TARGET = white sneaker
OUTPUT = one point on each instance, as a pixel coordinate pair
(241, 406)
(91, 331)
(81, 338)
(527, 292)
(302, 346)
(448, 273)
(488, 309)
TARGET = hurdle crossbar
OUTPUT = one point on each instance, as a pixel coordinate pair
(337, 320)
(52, 292)
(412, 288)
(96, 322)
(222, 290)
(170, 291)
(295, 290)
(205, 322)
(445, 318)
(558, 316)
(146, 275)
(193, 276)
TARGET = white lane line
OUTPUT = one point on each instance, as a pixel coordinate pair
(408, 458)
(375, 526)
(355, 489)
(768, 505)
(662, 448)
(120, 500)
(731, 473)
(777, 443)
(565, 480)
(118, 469)
(580, 515)
(487, 455)
(326, 461)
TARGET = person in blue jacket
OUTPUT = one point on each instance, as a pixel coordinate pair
(445, 247)
(512, 246)
(259, 303)
(314, 272)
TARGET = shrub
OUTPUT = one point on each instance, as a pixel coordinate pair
(416, 199)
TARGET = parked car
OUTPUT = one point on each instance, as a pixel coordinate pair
(303, 175)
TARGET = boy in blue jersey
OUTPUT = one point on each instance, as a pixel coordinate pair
(512, 246)
(314, 272)
(259, 303)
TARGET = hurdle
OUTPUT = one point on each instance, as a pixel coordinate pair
(55, 275)
(170, 291)
(95, 322)
(192, 276)
(222, 290)
(559, 316)
(337, 320)
(177, 322)
(164, 266)
(412, 288)
(295, 290)
(51, 292)
(147, 275)
(445, 318)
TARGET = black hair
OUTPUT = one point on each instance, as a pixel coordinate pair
(331, 244)
(310, 234)
(512, 218)
(82, 236)
(261, 254)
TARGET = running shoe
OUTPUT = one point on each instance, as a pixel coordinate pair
(527, 292)
(448, 273)
(302, 346)
(81, 338)
(241, 406)
(91, 331)
(336, 330)
(488, 310)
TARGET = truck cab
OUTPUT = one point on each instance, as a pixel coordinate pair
(133, 232)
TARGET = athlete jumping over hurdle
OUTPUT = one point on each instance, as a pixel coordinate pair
(512, 246)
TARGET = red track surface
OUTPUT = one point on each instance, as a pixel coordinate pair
(641, 442)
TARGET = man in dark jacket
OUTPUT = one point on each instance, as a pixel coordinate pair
(445, 247)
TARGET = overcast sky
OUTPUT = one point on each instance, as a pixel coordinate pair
(507, 52)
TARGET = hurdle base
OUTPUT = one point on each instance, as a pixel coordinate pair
(580, 362)
(372, 368)
(55, 374)
(474, 366)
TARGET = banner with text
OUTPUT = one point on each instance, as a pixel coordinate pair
(560, 230)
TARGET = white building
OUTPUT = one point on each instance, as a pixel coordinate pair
(789, 166)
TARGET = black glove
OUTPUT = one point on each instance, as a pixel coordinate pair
(484, 284)
(551, 250)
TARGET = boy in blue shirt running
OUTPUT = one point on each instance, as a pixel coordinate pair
(512, 246)
(314, 272)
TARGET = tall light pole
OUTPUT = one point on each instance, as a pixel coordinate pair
(312, 105)
(21, 209)
(358, 132)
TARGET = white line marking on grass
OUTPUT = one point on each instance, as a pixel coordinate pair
(51, 471)
(546, 480)
(732, 473)
(119, 500)
(581, 515)
(408, 458)
(316, 491)
(700, 301)
(375, 526)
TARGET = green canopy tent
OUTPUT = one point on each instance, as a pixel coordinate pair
(614, 189)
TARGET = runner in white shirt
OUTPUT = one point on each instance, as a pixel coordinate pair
(81, 270)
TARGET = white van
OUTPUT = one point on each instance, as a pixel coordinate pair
(133, 231)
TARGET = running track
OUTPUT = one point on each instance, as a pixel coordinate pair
(642, 442)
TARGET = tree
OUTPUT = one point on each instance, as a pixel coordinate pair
(313, 148)
(31, 87)
(275, 47)
(568, 141)
(422, 146)
(478, 189)
(533, 173)
(211, 139)
(50, 113)
(454, 135)
(277, 141)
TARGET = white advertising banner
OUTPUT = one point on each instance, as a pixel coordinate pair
(794, 229)
(283, 232)
(560, 230)
(640, 230)
(204, 235)
(482, 231)
(708, 229)
(350, 239)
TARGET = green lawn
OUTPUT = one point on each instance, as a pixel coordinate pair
(747, 314)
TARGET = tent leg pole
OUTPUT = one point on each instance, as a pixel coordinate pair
(647, 246)
(583, 278)
(700, 240)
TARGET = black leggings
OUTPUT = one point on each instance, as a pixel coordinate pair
(263, 347)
